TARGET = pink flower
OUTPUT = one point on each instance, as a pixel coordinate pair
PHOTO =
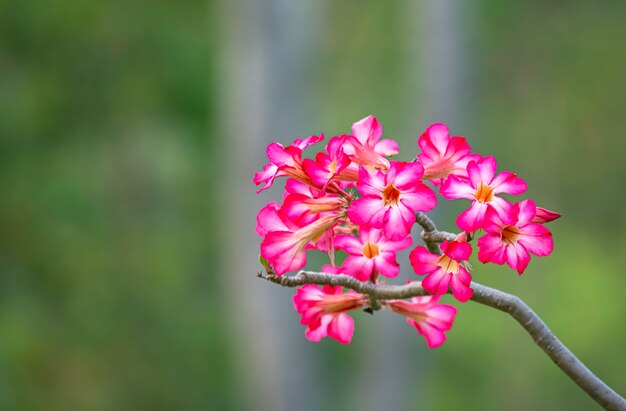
(512, 236)
(370, 254)
(285, 161)
(390, 200)
(441, 155)
(331, 166)
(428, 317)
(481, 188)
(365, 146)
(324, 311)
(285, 249)
(444, 270)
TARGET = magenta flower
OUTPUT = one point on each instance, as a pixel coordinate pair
(366, 148)
(445, 270)
(285, 249)
(428, 317)
(285, 161)
(441, 155)
(390, 200)
(512, 236)
(324, 311)
(370, 254)
(481, 187)
(331, 166)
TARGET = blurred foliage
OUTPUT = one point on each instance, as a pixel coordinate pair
(107, 159)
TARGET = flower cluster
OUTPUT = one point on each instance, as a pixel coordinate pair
(353, 200)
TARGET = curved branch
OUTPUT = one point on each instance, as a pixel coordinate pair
(508, 303)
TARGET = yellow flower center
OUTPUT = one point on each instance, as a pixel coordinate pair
(449, 265)
(484, 193)
(391, 195)
(510, 234)
(370, 250)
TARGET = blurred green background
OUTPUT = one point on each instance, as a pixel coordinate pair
(129, 134)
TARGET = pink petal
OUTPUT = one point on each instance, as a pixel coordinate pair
(387, 265)
(387, 148)
(367, 130)
(398, 221)
(437, 282)
(367, 211)
(434, 140)
(459, 251)
(491, 249)
(404, 175)
(460, 289)
(419, 198)
(509, 183)
(517, 257)
(341, 328)
(348, 243)
(359, 267)
(422, 260)
(456, 187)
(472, 219)
(320, 331)
(434, 337)
(526, 212)
(282, 252)
(537, 239)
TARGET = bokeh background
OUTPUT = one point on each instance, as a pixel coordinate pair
(129, 135)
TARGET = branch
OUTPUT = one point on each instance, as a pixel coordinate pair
(510, 304)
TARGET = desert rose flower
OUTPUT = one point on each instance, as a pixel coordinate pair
(324, 311)
(429, 318)
(512, 236)
(285, 161)
(390, 200)
(443, 155)
(481, 187)
(366, 148)
(330, 166)
(445, 270)
(370, 254)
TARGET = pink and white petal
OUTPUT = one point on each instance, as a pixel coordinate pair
(473, 218)
(536, 239)
(387, 148)
(488, 167)
(387, 265)
(269, 220)
(419, 198)
(348, 243)
(441, 316)
(491, 249)
(526, 212)
(370, 183)
(434, 141)
(395, 246)
(509, 183)
(279, 248)
(398, 221)
(359, 267)
(368, 211)
(367, 130)
(458, 149)
(422, 260)
(517, 257)
(503, 209)
(457, 187)
(406, 176)
(341, 328)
